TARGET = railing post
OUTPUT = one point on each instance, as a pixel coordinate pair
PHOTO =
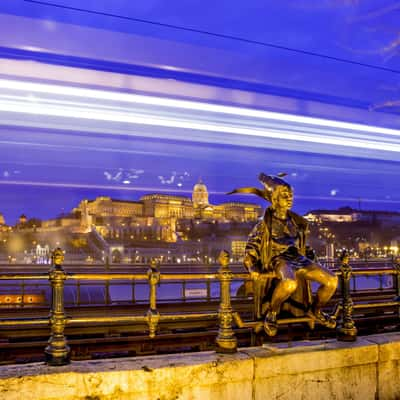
(397, 267)
(226, 340)
(107, 292)
(347, 331)
(57, 352)
(208, 285)
(23, 294)
(184, 290)
(153, 316)
(133, 292)
(78, 293)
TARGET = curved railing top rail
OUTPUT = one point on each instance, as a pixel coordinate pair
(11, 277)
(179, 276)
(116, 276)
(375, 271)
(58, 352)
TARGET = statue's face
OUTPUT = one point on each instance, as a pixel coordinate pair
(282, 198)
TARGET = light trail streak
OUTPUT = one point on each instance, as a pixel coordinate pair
(110, 112)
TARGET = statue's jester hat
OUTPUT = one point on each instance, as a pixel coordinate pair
(270, 184)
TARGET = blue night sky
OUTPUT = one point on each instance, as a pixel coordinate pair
(45, 174)
(354, 31)
(324, 54)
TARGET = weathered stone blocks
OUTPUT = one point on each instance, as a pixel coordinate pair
(185, 376)
(366, 369)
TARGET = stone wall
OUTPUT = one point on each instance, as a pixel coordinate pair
(366, 369)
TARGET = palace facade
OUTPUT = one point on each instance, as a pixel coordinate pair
(155, 216)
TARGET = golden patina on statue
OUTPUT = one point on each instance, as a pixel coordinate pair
(278, 244)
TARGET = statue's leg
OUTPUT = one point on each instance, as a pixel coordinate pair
(286, 286)
(258, 294)
(328, 284)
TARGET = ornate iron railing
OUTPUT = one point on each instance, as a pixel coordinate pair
(58, 353)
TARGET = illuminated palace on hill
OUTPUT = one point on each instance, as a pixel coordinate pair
(160, 217)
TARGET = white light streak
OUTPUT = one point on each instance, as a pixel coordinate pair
(89, 104)
(185, 104)
(146, 189)
(93, 114)
(65, 185)
(347, 199)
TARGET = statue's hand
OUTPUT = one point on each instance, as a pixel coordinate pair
(248, 262)
(310, 253)
(254, 275)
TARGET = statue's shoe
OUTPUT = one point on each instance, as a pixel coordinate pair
(270, 325)
(311, 322)
(325, 319)
(265, 307)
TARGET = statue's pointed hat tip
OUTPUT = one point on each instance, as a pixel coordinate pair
(271, 182)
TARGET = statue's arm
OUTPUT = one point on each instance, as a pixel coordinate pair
(303, 231)
(308, 250)
(252, 257)
(310, 254)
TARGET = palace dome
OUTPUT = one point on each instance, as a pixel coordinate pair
(200, 194)
(200, 187)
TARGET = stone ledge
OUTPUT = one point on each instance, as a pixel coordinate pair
(164, 377)
(318, 370)
(388, 366)
(366, 369)
(315, 356)
(389, 346)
